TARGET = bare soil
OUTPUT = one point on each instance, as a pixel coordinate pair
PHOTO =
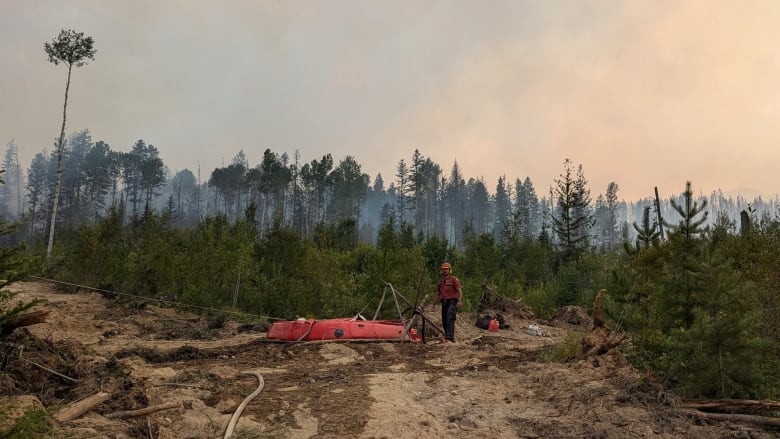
(487, 385)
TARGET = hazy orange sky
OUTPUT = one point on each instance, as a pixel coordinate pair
(642, 93)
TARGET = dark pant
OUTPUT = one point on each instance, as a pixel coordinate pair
(449, 311)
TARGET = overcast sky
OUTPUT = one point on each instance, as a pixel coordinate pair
(642, 93)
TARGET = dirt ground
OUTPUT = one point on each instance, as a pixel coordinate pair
(487, 385)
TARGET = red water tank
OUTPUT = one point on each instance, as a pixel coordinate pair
(493, 326)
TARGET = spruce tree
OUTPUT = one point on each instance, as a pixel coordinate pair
(571, 221)
(708, 341)
(525, 217)
(606, 214)
(720, 354)
(648, 234)
(503, 208)
(404, 186)
(679, 293)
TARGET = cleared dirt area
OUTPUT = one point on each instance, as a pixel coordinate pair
(488, 385)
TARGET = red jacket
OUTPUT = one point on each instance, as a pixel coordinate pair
(449, 287)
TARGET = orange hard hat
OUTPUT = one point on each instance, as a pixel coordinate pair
(446, 266)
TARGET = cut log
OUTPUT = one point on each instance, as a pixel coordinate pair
(733, 405)
(144, 411)
(23, 319)
(763, 421)
(78, 408)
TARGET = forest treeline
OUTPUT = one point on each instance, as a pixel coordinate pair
(696, 287)
(303, 195)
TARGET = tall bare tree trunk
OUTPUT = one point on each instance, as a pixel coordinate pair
(658, 212)
(59, 168)
(18, 189)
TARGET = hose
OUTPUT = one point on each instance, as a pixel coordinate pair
(242, 406)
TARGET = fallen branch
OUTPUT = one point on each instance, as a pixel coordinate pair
(144, 411)
(78, 408)
(763, 421)
(242, 406)
(50, 371)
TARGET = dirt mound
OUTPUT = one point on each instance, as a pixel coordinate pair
(570, 315)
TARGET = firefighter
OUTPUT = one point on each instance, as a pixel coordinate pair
(450, 295)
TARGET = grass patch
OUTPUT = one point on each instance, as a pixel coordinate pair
(542, 301)
(32, 425)
(569, 349)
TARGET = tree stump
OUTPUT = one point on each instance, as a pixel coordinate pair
(21, 320)
(600, 344)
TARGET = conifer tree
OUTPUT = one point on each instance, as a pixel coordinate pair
(424, 182)
(404, 187)
(707, 342)
(455, 200)
(648, 233)
(350, 186)
(720, 354)
(317, 184)
(679, 293)
(477, 205)
(525, 218)
(503, 208)
(572, 218)
(606, 214)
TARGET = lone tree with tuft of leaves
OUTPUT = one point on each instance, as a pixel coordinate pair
(72, 49)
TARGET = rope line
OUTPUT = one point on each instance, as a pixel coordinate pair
(168, 302)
